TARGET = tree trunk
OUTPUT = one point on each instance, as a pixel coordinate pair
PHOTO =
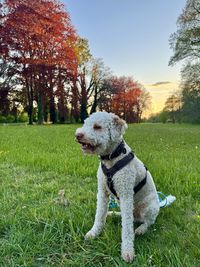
(95, 102)
(40, 108)
(29, 91)
(84, 113)
(84, 99)
(30, 114)
(46, 112)
(75, 101)
(52, 106)
(62, 110)
(52, 111)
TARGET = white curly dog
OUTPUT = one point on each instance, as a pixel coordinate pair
(120, 173)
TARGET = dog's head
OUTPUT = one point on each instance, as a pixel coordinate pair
(100, 132)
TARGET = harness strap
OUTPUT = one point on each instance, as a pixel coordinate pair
(141, 183)
(109, 173)
(118, 165)
(119, 149)
(111, 187)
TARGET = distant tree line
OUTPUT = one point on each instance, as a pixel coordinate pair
(185, 42)
(172, 111)
(47, 71)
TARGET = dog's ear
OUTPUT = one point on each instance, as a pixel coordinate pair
(120, 124)
(118, 127)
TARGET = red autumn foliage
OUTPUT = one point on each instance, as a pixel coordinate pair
(39, 32)
(123, 96)
(38, 36)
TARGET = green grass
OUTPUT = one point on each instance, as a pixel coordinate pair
(37, 161)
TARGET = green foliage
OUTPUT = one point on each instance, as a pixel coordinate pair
(185, 41)
(172, 107)
(23, 117)
(2, 119)
(155, 118)
(38, 161)
(82, 51)
(163, 116)
(185, 44)
(191, 92)
(10, 118)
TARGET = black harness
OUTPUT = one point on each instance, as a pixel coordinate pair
(120, 149)
(109, 173)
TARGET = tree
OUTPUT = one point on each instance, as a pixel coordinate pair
(78, 92)
(130, 100)
(8, 92)
(99, 73)
(186, 46)
(40, 39)
(191, 92)
(106, 95)
(4, 89)
(62, 95)
(125, 97)
(143, 102)
(173, 107)
(91, 79)
(185, 42)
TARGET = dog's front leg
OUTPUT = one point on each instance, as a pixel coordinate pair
(101, 211)
(127, 246)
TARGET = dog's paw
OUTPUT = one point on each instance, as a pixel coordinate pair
(90, 235)
(141, 229)
(128, 256)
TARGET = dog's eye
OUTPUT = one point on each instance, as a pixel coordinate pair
(97, 127)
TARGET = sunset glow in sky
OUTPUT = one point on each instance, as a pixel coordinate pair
(132, 38)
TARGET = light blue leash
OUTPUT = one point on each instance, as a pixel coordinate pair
(113, 203)
(162, 197)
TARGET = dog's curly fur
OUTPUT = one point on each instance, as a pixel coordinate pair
(101, 134)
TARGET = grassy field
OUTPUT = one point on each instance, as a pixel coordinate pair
(35, 230)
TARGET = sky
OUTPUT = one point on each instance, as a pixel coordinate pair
(132, 38)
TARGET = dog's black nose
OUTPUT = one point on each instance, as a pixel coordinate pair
(79, 136)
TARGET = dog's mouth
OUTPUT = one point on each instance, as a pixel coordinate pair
(86, 146)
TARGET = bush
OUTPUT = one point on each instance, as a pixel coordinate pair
(164, 116)
(2, 119)
(10, 118)
(23, 117)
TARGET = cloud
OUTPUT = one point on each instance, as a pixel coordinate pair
(160, 83)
